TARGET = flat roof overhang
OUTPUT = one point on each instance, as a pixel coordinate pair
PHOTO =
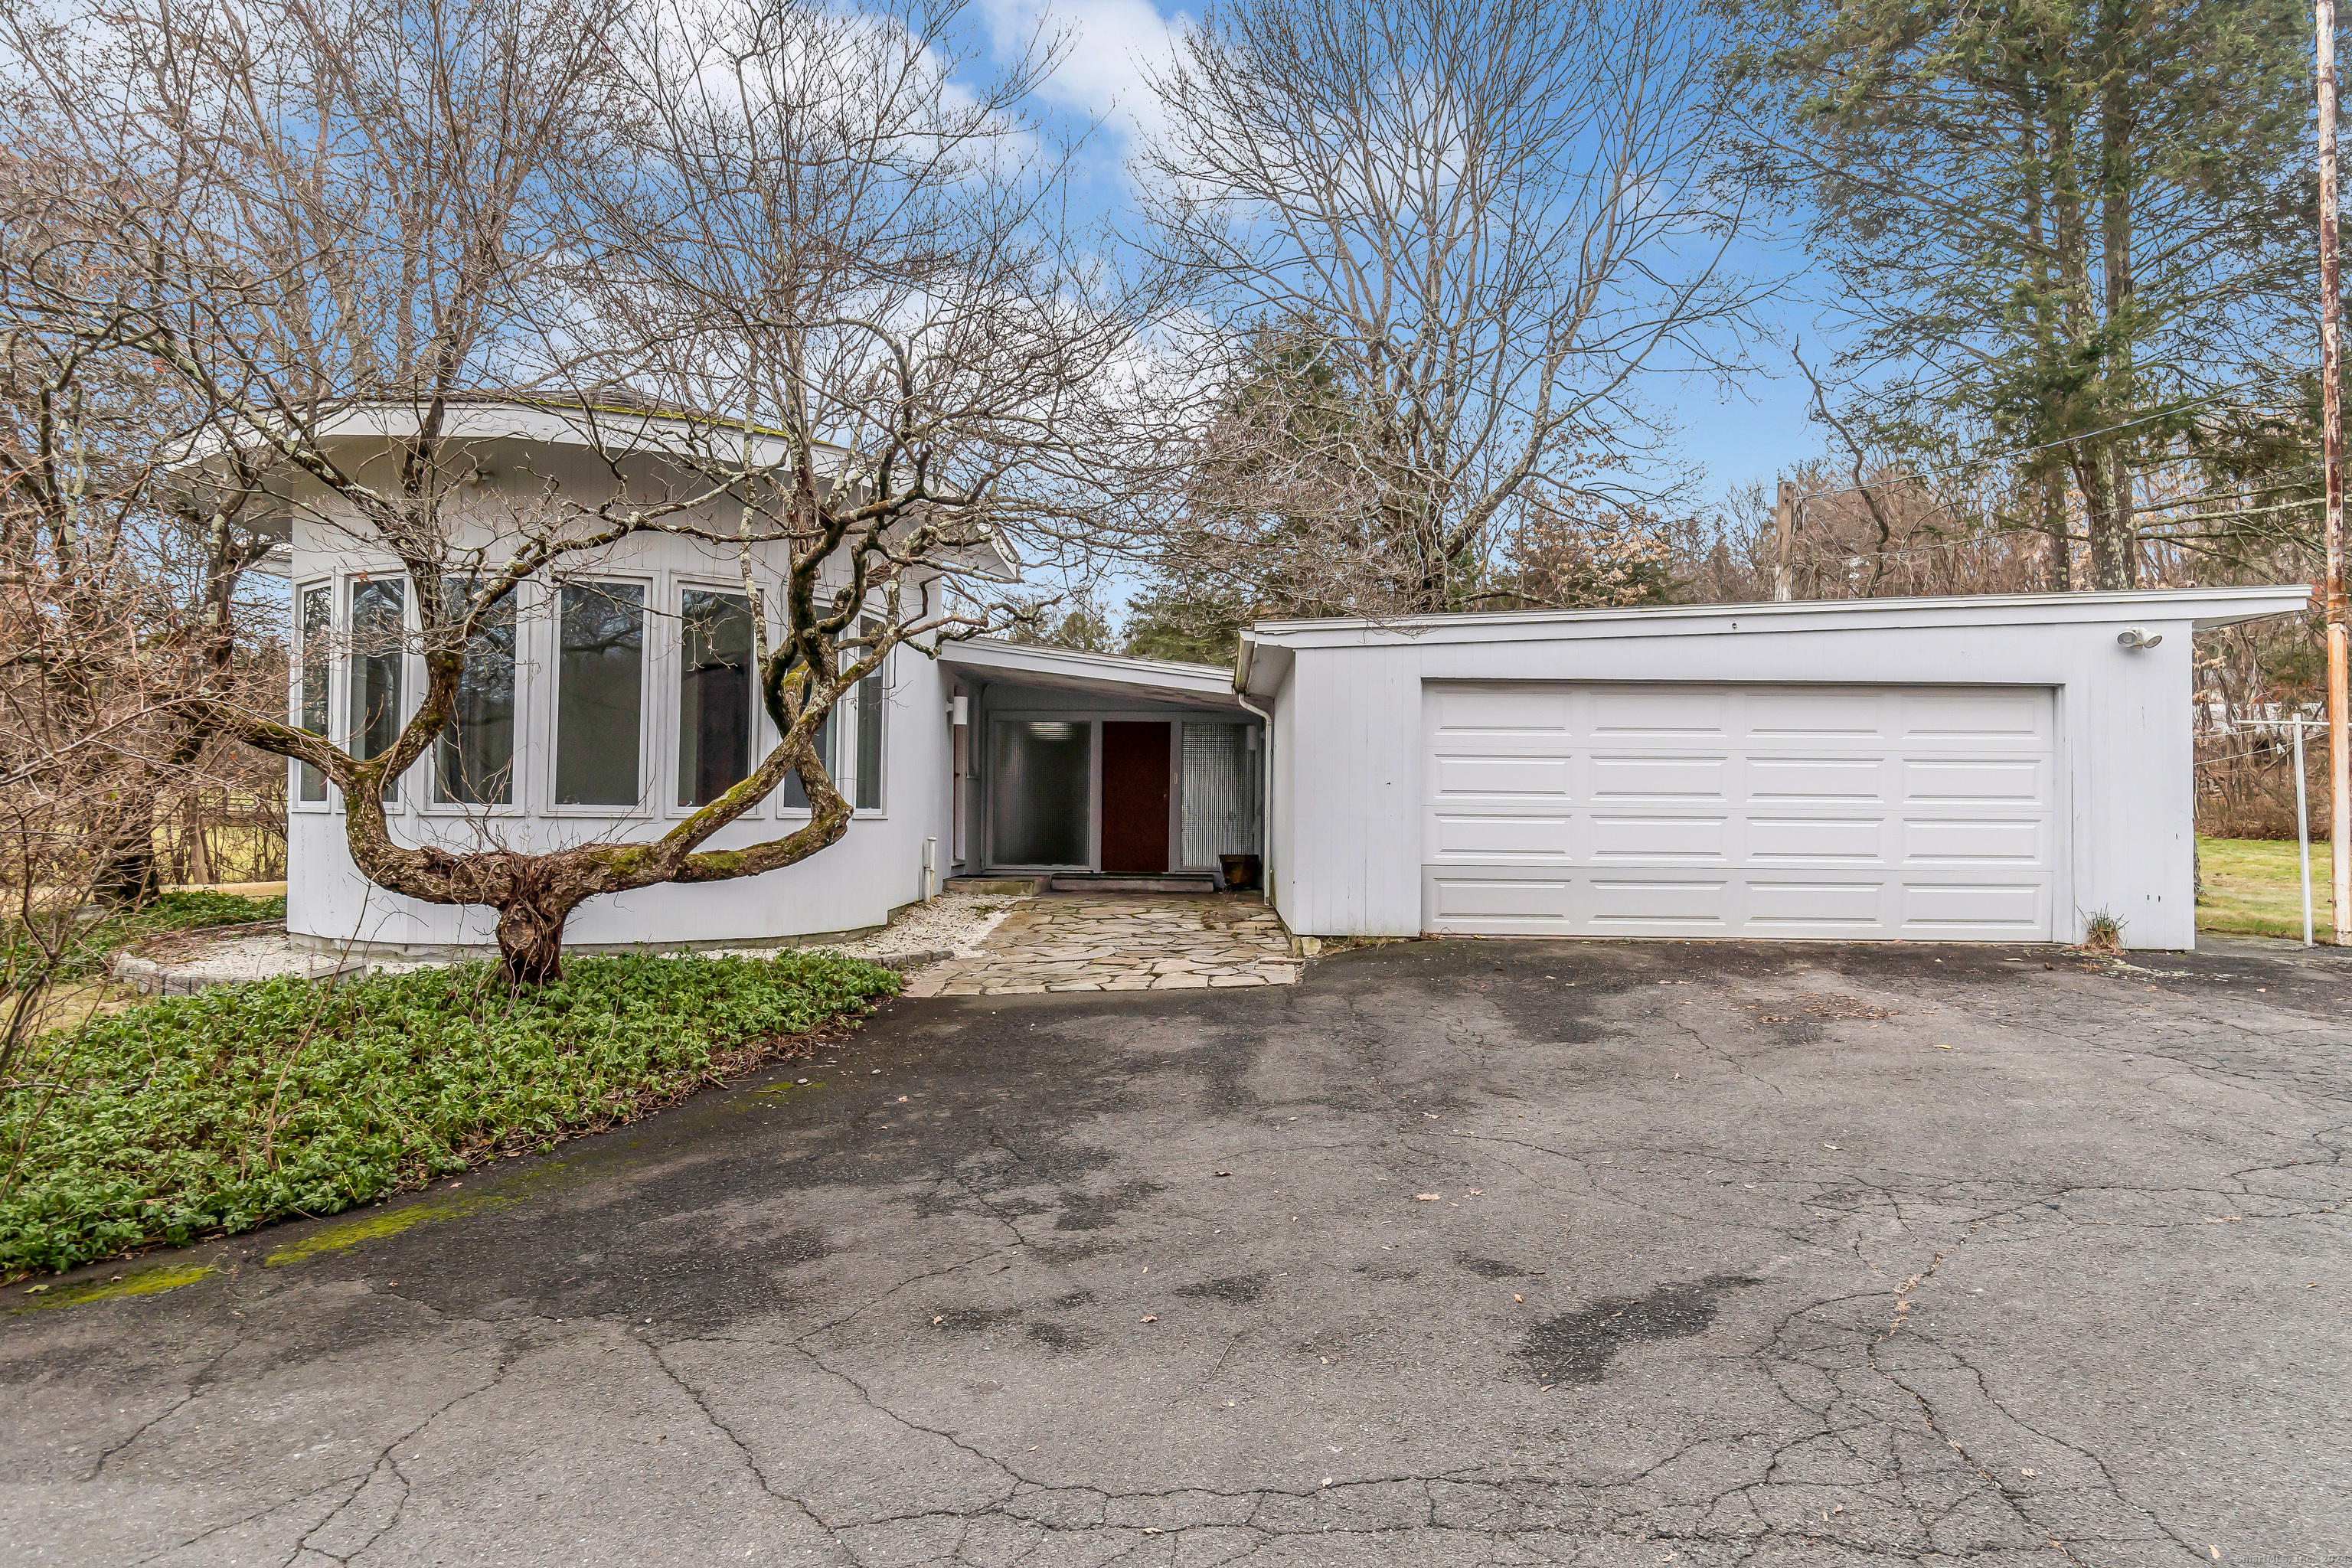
(1268, 648)
(1102, 677)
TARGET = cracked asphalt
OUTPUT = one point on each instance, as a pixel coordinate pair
(1454, 1253)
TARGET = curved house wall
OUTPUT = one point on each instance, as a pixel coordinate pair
(877, 866)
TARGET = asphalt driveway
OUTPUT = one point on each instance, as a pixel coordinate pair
(1454, 1253)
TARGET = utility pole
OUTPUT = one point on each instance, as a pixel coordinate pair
(2331, 310)
(1784, 518)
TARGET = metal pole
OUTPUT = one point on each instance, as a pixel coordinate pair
(2339, 724)
(1784, 520)
(2302, 830)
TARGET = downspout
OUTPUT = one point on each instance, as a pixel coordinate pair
(1265, 773)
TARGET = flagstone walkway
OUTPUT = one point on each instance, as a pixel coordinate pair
(1087, 942)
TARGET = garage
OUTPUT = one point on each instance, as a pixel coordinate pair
(1994, 768)
(1723, 811)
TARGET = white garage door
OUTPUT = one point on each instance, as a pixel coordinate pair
(1728, 811)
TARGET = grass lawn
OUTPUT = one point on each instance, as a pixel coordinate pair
(2252, 886)
(188, 1117)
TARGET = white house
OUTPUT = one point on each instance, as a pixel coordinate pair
(1962, 769)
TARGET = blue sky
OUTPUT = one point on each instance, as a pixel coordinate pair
(1755, 429)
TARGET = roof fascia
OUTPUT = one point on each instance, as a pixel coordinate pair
(2203, 606)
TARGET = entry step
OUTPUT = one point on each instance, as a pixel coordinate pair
(1131, 882)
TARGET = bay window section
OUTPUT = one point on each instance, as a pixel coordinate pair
(473, 759)
(379, 660)
(714, 699)
(599, 693)
(315, 622)
(870, 701)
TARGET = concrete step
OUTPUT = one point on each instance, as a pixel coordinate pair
(1128, 882)
(1018, 885)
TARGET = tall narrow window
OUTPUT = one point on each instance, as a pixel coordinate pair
(316, 624)
(472, 761)
(714, 697)
(871, 698)
(1039, 799)
(599, 693)
(379, 653)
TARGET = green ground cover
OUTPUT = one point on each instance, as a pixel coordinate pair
(189, 1117)
(2252, 887)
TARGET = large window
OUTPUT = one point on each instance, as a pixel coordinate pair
(1040, 795)
(379, 658)
(472, 761)
(872, 697)
(600, 693)
(714, 697)
(315, 624)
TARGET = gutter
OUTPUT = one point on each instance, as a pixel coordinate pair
(1266, 804)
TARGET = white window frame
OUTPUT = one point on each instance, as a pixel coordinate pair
(649, 704)
(294, 801)
(520, 768)
(412, 671)
(673, 666)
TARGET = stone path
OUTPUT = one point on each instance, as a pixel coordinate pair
(1086, 942)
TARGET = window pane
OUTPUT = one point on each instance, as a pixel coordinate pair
(473, 762)
(1039, 798)
(870, 701)
(316, 631)
(794, 793)
(378, 656)
(714, 700)
(599, 693)
(1218, 790)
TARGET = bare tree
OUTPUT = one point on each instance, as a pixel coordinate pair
(1437, 241)
(860, 363)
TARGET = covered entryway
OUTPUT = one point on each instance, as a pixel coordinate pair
(1097, 771)
(1620, 809)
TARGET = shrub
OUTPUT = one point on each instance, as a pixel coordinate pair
(210, 1115)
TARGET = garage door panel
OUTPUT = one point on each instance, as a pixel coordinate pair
(1660, 838)
(1489, 900)
(1961, 781)
(1690, 778)
(2018, 719)
(1858, 907)
(1485, 775)
(2006, 908)
(1984, 841)
(1476, 710)
(1621, 713)
(1789, 811)
(1816, 778)
(1663, 902)
(1819, 840)
(1784, 718)
(1465, 836)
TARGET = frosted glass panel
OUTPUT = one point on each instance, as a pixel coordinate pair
(1219, 793)
(1039, 798)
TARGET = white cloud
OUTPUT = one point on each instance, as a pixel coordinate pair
(1112, 44)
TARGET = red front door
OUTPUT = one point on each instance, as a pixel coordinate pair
(1135, 798)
